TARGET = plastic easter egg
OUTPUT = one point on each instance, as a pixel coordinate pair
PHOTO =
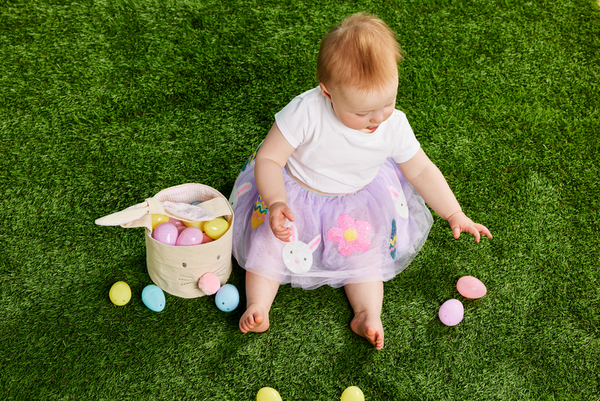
(209, 283)
(471, 287)
(178, 223)
(197, 224)
(190, 236)
(353, 393)
(166, 233)
(120, 293)
(158, 219)
(451, 312)
(206, 238)
(268, 394)
(154, 298)
(227, 298)
(216, 228)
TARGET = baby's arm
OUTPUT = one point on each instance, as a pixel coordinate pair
(429, 182)
(270, 160)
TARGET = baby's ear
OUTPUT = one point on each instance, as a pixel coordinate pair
(325, 91)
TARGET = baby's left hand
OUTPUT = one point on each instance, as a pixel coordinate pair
(459, 222)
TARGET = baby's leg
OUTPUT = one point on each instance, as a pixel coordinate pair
(260, 293)
(366, 300)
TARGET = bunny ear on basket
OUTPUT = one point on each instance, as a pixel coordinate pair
(140, 215)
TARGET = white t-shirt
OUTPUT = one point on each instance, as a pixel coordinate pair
(333, 158)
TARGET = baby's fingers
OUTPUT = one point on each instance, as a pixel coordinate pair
(288, 214)
(477, 230)
(279, 229)
(473, 230)
(483, 230)
(283, 234)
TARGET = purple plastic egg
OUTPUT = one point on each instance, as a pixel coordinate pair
(190, 236)
(166, 233)
(451, 312)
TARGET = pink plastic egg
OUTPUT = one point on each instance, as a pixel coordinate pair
(470, 287)
(178, 223)
(206, 238)
(451, 312)
(166, 233)
(190, 236)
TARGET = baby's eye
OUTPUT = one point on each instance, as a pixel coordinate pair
(361, 114)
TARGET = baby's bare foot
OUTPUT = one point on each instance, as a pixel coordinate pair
(369, 328)
(254, 319)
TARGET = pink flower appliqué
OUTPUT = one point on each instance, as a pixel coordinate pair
(350, 235)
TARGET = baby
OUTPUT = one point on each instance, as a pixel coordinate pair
(342, 182)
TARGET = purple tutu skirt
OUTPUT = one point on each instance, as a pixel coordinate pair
(369, 235)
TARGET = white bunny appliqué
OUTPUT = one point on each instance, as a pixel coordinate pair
(297, 255)
(237, 192)
(400, 201)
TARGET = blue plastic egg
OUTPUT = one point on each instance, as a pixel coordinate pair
(154, 298)
(227, 298)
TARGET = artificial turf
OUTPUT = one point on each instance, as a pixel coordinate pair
(105, 103)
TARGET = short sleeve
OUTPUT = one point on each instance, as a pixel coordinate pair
(406, 145)
(293, 121)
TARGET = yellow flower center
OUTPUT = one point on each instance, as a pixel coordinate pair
(350, 235)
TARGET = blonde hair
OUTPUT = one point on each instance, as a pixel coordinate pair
(361, 52)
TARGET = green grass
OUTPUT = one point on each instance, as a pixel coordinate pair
(103, 104)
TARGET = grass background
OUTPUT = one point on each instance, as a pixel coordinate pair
(105, 103)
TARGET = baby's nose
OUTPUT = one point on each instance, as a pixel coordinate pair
(377, 117)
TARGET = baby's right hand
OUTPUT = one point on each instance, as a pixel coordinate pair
(279, 213)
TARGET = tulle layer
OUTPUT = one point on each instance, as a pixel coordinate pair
(372, 234)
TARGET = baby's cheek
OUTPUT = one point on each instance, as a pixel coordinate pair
(352, 121)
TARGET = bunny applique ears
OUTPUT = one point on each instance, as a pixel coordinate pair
(140, 215)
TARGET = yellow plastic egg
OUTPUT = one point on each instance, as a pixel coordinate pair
(159, 219)
(197, 224)
(353, 393)
(216, 228)
(120, 293)
(268, 394)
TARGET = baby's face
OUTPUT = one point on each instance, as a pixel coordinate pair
(363, 111)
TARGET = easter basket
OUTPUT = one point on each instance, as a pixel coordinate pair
(177, 269)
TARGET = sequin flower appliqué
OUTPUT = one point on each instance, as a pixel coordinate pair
(350, 235)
